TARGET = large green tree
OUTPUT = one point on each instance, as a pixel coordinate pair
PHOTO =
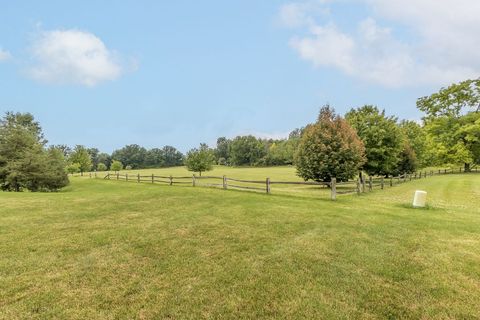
(201, 159)
(131, 155)
(381, 136)
(416, 139)
(328, 149)
(222, 153)
(173, 157)
(81, 156)
(246, 150)
(453, 123)
(25, 163)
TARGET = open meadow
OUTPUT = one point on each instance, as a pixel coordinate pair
(103, 249)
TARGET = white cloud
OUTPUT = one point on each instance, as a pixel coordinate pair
(4, 55)
(73, 57)
(297, 14)
(443, 45)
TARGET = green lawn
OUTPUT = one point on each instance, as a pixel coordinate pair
(276, 174)
(112, 250)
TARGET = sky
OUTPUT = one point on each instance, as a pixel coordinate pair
(110, 73)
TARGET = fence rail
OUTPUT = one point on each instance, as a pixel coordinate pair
(361, 185)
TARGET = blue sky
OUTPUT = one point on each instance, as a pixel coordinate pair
(110, 73)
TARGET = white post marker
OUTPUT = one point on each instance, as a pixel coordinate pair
(420, 199)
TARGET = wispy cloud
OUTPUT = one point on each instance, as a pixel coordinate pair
(4, 55)
(442, 48)
(73, 57)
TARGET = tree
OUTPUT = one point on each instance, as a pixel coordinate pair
(94, 155)
(155, 158)
(416, 137)
(105, 159)
(246, 150)
(81, 156)
(116, 166)
(24, 161)
(407, 161)
(173, 157)
(381, 136)
(54, 174)
(453, 101)
(452, 122)
(328, 149)
(131, 155)
(73, 168)
(101, 167)
(201, 159)
(66, 150)
(222, 150)
(281, 152)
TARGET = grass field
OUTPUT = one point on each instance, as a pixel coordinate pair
(276, 174)
(112, 250)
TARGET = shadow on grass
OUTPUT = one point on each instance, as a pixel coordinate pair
(410, 206)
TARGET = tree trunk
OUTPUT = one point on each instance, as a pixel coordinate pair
(467, 167)
(200, 173)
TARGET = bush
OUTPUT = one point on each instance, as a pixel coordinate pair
(116, 165)
(101, 167)
(73, 168)
(129, 167)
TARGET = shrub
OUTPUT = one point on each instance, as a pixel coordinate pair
(101, 167)
(116, 165)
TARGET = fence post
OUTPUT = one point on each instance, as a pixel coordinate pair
(90, 175)
(225, 186)
(391, 181)
(118, 176)
(425, 174)
(382, 184)
(95, 174)
(370, 184)
(405, 177)
(358, 186)
(153, 178)
(171, 180)
(363, 184)
(267, 185)
(333, 187)
(138, 178)
(193, 180)
(126, 176)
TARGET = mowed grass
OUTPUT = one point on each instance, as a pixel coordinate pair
(259, 174)
(113, 250)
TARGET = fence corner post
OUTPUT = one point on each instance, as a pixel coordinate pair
(333, 187)
(267, 185)
(225, 185)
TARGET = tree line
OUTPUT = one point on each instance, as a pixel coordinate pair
(365, 139)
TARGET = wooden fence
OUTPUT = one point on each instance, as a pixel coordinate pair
(358, 186)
